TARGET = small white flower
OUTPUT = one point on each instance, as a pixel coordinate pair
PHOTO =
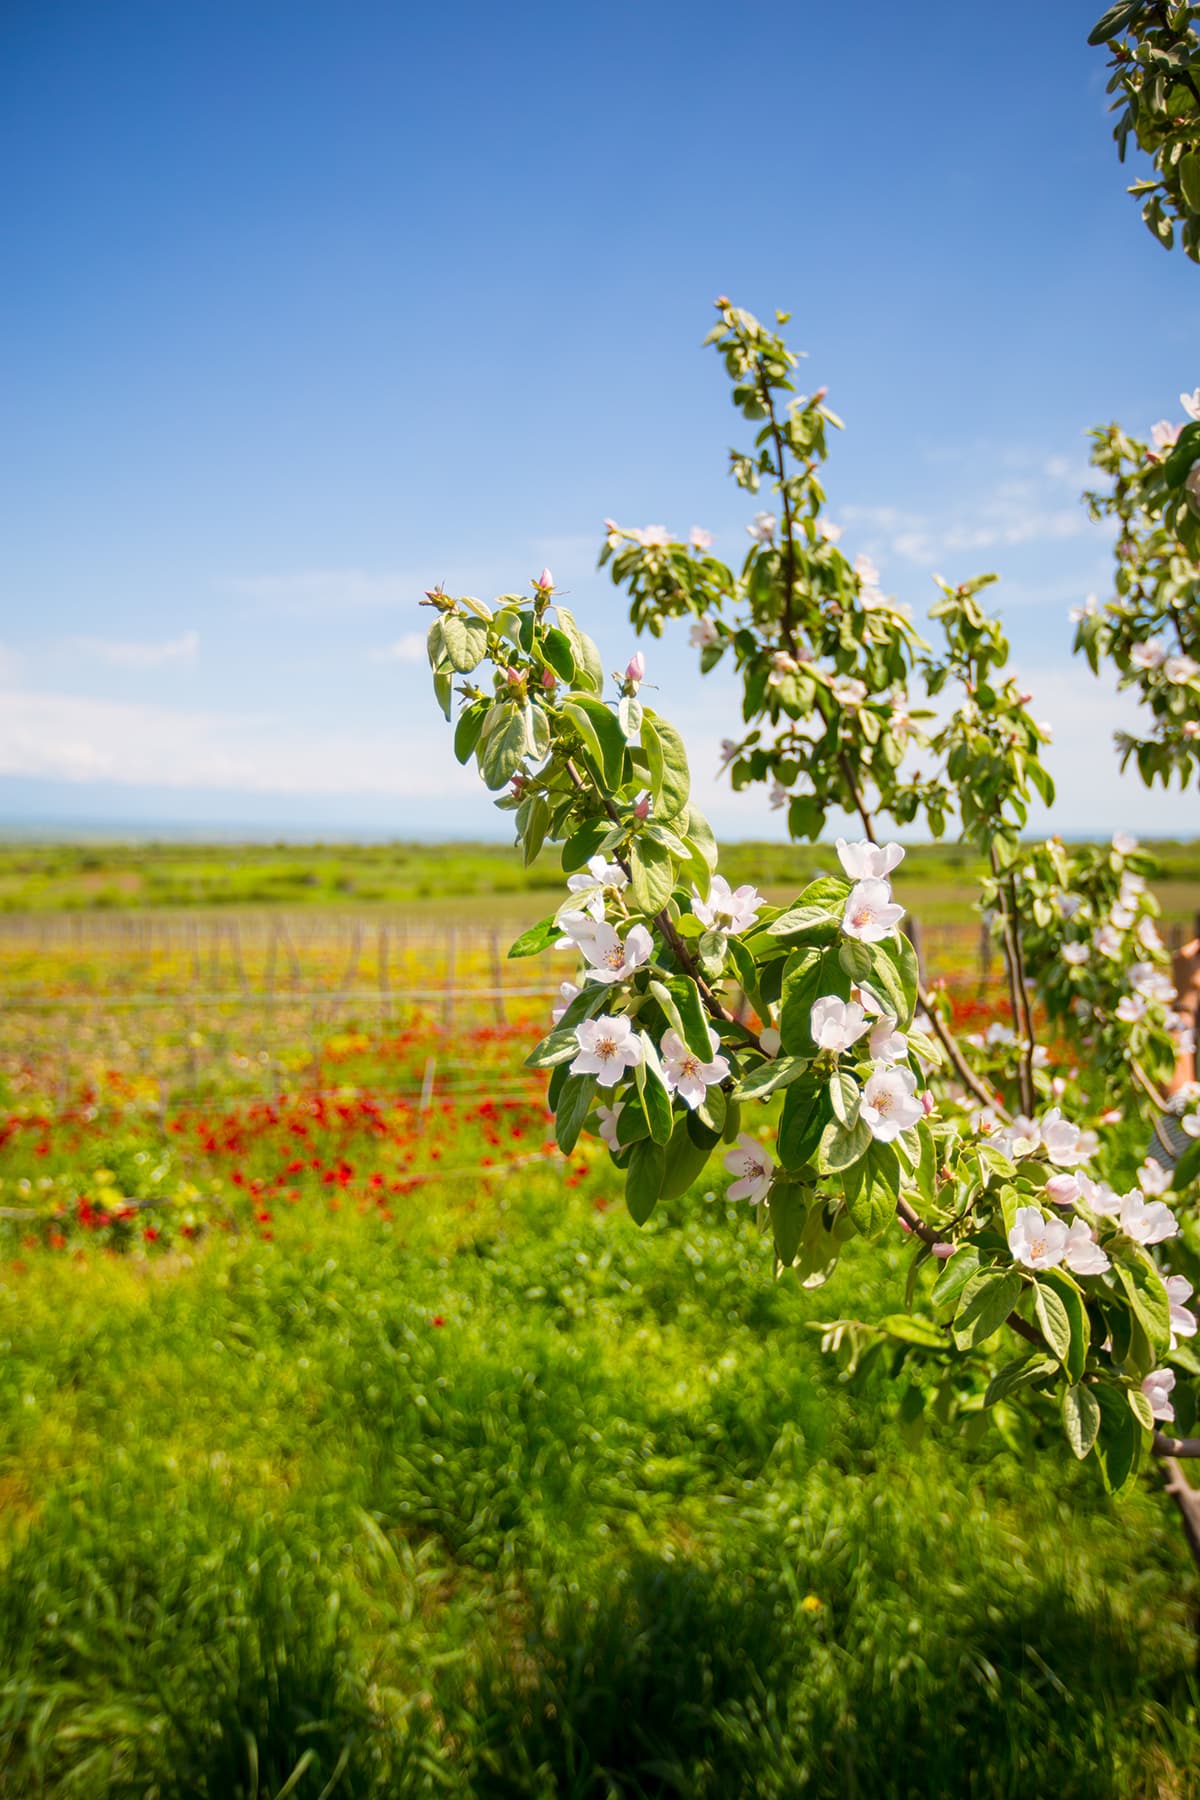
(1121, 917)
(652, 537)
(1075, 954)
(686, 1074)
(1153, 1178)
(1108, 941)
(1019, 1139)
(613, 960)
(1191, 403)
(1123, 843)
(607, 1047)
(1147, 933)
(847, 690)
(1131, 1008)
(578, 929)
(886, 1043)
(866, 571)
(568, 992)
(608, 1116)
(763, 528)
(829, 531)
(1163, 435)
(1146, 1221)
(871, 914)
(754, 1166)
(1086, 611)
(703, 633)
(1082, 1254)
(1099, 1196)
(1183, 1320)
(889, 1103)
(779, 795)
(600, 874)
(836, 1024)
(1132, 887)
(1064, 1143)
(1148, 655)
(729, 750)
(1181, 668)
(1152, 983)
(1190, 1123)
(1035, 1240)
(700, 539)
(725, 910)
(1157, 1389)
(865, 861)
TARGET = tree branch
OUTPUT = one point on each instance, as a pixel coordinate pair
(1169, 1446)
(1018, 997)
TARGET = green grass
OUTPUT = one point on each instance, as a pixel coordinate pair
(614, 1527)
(939, 879)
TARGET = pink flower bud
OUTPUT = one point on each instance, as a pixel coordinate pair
(545, 581)
(1062, 1190)
(548, 678)
(642, 809)
(943, 1252)
(635, 668)
(927, 1102)
(1024, 699)
(515, 676)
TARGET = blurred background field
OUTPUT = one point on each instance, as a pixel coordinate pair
(351, 1443)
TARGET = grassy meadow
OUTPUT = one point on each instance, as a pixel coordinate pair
(352, 1444)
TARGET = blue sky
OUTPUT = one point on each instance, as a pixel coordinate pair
(309, 306)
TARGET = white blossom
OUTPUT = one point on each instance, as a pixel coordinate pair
(1157, 1389)
(1086, 611)
(1081, 1253)
(729, 749)
(1099, 1196)
(1181, 668)
(1153, 1178)
(1147, 933)
(1183, 1320)
(608, 1046)
(1121, 917)
(779, 795)
(1131, 1008)
(703, 633)
(829, 531)
(1062, 1190)
(836, 1024)
(1163, 435)
(1108, 941)
(754, 1166)
(613, 960)
(1035, 1240)
(652, 537)
(1148, 655)
(889, 1103)
(725, 910)
(578, 929)
(687, 1074)
(567, 992)
(763, 528)
(1123, 843)
(1064, 1143)
(871, 914)
(1146, 1221)
(608, 1116)
(1020, 1138)
(847, 690)
(700, 539)
(600, 875)
(865, 861)
(1191, 403)
(1075, 955)
(887, 1045)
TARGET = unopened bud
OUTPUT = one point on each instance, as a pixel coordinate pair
(548, 679)
(927, 1102)
(635, 668)
(722, 300)
(1062, 1190)
(642, 809)
(545, 581)
(819, 396)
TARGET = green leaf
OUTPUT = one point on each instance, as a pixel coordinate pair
(986, 1302)
(788, 1210)
(1178, 464)
(629, 716)
(589, 670)
(466, 732)
(771, 1075)
(1052, 1317)
(1148, 1299)
(697, 1033)
(502, 749)
(1071, 1300)
(602, 736)
(652, 875)
(574, 1103)
(652, 1088)
(556, 648)
(840, 1148)
(583, 844)
(922, 1332)
(870, 1198)
(465, 639)
(443, 691)
(845, 1097)
(539, 937)
(670, 782)
(958, 1271)
(631, 1122)
(1114, 21)
(1140, 1407)
(1189, 179)
(804, 1118)
(809, 975)
(1119, 1439)
(1081, 1420)
(435, 644)
(1018, 1374)
(685, 1159)
(817, 913)
(559, 1046)
(644, 1179)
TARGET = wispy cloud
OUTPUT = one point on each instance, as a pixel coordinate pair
(407, 649)
(123, 655)
(68, 737)
(321, 590)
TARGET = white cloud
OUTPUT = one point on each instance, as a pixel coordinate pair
(65, 737)
(139, 656)
(407, 649)
(320, 590)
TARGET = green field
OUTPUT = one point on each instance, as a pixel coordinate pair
(354, 1444)
(938, 879)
